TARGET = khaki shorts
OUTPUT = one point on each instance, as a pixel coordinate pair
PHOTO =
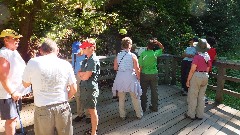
(49, 118)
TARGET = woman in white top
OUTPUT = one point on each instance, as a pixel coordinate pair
(127, 78)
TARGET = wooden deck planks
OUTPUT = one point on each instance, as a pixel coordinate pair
(169, 120)
(220, 119)
(133, 123)
(230, 126)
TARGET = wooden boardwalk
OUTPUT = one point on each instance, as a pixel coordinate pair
(169, 120)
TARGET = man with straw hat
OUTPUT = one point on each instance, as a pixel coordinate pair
(11, 69)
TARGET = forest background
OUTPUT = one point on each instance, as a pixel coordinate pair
(173, 22)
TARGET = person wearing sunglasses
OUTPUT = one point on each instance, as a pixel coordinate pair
(11, 69)
(89, 91)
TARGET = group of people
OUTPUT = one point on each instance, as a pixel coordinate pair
(135, 75)
(53, 82)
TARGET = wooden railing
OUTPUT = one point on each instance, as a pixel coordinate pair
(106, 67)
(169, 70)
(222, 76)
(169, 67)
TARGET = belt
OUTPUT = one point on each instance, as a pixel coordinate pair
(52, 105)
(201, 71)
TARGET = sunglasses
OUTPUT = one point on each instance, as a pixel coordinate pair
(13, 38)
(87, 47)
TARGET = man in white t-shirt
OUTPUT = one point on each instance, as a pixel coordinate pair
(11, 69)
(51, 77)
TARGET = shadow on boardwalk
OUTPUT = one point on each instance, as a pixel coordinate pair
(169, 120)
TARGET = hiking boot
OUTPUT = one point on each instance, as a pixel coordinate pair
(153, 109)
(79, 118)
(89, 132)
(123, 118)
(199, 118)
(144, 109)
(189, 117)
(88, 120)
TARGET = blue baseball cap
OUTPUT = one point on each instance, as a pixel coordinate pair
(76, 47)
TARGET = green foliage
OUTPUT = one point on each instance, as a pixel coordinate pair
(172, 22)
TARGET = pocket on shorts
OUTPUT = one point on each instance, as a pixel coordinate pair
(42, 114)
(65, 113)
(65, 109)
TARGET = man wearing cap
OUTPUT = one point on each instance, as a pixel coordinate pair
(88, 74)
(53, 82)
(77, 58)
(11, 69)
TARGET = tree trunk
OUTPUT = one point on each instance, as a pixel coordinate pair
(111, 3)
(26, 28)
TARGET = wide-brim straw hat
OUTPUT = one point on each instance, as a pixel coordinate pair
(202, 46)
(10, 33)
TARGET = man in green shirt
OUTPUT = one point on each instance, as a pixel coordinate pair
(149, 74)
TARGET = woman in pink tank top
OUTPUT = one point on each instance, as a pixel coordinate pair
(197, 81)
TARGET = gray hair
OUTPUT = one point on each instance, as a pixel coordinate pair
(49, 46)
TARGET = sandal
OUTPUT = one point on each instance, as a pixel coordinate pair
(89, 132)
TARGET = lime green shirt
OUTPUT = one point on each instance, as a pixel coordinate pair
(148, 61)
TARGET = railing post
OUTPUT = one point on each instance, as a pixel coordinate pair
(174, 70)
(220, 83)
(167, 70)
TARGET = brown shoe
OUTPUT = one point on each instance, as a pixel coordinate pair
(153, 109)
(189, 117)
(199, 118)
(88, 120)
(89, 132)
(79, 118)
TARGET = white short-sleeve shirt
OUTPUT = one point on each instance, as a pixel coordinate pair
(49, 76)
(17, 65)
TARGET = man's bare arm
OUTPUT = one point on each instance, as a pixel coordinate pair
(4, 73)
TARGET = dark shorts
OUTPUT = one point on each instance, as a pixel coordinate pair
(8, 109)
(88, 97)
